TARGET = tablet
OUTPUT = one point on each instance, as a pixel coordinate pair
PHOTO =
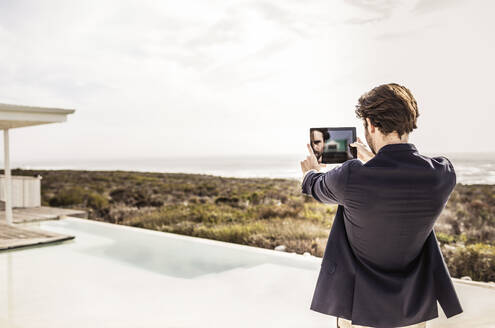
(331, 144)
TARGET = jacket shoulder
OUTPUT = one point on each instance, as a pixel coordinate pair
(444, 171)
(443, 160)
(352, 163)
(447, 165)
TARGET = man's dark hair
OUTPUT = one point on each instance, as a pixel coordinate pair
(390, 107)
(326, 134)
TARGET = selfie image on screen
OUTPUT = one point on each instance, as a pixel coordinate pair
(331, 145)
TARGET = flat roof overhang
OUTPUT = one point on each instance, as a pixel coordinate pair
(16, 116)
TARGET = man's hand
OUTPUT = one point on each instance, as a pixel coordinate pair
(363, 153)
(310, 162)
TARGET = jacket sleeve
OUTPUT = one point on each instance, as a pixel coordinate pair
(452, 171)
(328, 187)
(444, 287)
(449, 170)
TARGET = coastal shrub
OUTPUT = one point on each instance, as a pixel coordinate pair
(164, 216)
(227, 200)
(216, 214)
(295, 202)
(444, 238)
(185, 187)
(470, 210)
(235, 233)
(119, 194)
(206, 189)
(101, 178)
(99, 188)
(198, 200)
(297, 235)
(140, 178)
(97, 201)
(313, 212)
(280, 211)
(71, 196)
(476, 261)
(136, 197)
(202, 214)
(256, 197)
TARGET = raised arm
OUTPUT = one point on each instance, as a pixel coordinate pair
(327, 187)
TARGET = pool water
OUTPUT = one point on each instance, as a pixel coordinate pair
(118, 276)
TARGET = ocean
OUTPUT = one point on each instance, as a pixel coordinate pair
(471, 168)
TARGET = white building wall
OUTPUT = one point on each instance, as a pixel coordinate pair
(26, 191)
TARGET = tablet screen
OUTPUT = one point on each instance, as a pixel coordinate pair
(331, 145)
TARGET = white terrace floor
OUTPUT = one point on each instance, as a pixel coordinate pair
(117, 276)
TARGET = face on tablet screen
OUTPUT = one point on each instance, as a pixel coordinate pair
(331, 145)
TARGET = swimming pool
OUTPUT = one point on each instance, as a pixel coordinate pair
(118, 276)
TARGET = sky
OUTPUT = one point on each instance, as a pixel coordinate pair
(240, 77)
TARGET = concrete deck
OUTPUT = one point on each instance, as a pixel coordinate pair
(42, 213)
(15, 237)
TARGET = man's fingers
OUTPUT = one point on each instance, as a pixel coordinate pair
(357, 143)
(310, 149)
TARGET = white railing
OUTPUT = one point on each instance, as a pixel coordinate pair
(26, 191)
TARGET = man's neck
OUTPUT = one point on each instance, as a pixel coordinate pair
(389, 141)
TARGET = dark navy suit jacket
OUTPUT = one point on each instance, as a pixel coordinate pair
(382, 265)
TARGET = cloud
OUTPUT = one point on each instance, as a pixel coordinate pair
(378, 6)
(364, 21)
(283, 17)
(427, 6)
(228, 30)
(371, 12)
(157, 67)
(408, 33)
(243, 70)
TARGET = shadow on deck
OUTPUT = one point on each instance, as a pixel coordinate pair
(20, 234)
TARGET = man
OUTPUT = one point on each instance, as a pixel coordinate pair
(319, 138)
(382, 266)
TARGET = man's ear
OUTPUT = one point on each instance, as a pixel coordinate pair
(370, 126)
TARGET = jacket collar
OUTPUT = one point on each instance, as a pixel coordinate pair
(397, 147)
